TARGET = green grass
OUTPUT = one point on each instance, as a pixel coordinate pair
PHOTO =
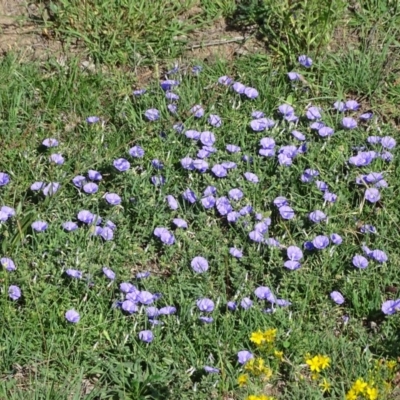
(44, 357)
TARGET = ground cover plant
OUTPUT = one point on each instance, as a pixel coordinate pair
(220, 233)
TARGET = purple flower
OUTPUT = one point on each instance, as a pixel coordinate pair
(317, 216)
(233, 216)
(313, 113)
(205, 305)
(244, 356)
(366, 116)
(261, 124)
(286, 109)
(74, 273)
(211, 370)
(129, 306)
(78, 181)
(157, 180)
(92, 119)
(223, 205)
(379, 255)
(145, 297)
(256, 236)
(107, 233)
(251, 177)
(111, 225)
(39, 226)
(210, 190)
(360, 261)
(305, 61)
(14, 292)
(246, 303)
(219, 171)
(94, 175)
(251, 93)
(152, 312)
(281, 201)
(286, 212)
(389, 307)
(142, 275)
(298, 135)
(238, 87)
(146, 336)
(51, 188)
(257, 114)
(90, 188)
(57, 159)
(231, 148)
(294, 253)
(367, 229)
(197, 69)
(136, 152)
(8, 264)
(170, 96)
(207, 138)
(285, 160)
(325, 131)
(330, 197)
(336, 239)
(292, 265)
(127, 287)
(235, 194)
(197, 111)
(208, 202)
(121, 164)
(168, 84)
(8, 211)
(316, 126)
(199, 264)
(225, 80)
(272, 242)
(206, 320)
(372, 195)
(231, 305)
(374, 139)
(352, 105)
(293, 76)
(337, 297)
(37, 185)
(264, 293)
(50, 142)
(322, 186)
(388, 142)
(164, 235)
(237, 253)
(110, 274)
(214, 120)
(340, 106)
(349, 123)
(112, 198)
(320, 242)
(152, 114)
(157, 164)
(168, 310)
(72, 316)
(139, 92)
(85, 216)
(180, 223)
(189, 196)
(172, 203)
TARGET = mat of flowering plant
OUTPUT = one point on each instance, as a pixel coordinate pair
(220, 232)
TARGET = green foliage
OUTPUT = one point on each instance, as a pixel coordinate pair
(292, 27)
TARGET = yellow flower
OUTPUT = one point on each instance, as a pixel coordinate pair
(257, 338)
(372, 393)
(351, 395)
(242, 380)
(314, 364)
(278, 354)
(252, 397)
(359, 386)
(267, 372)
(391, 364)
(325, 385)
(315, 376)
(324, 361)
(270, 335)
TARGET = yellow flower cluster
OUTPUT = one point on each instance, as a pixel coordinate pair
(259, 397)
(257, 367)
(263, 338)
(318, 363)
(362, 388)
